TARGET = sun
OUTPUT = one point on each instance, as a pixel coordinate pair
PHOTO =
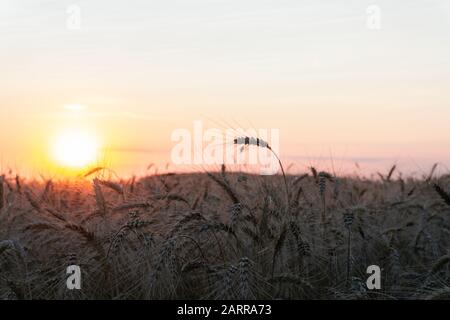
(76, 148)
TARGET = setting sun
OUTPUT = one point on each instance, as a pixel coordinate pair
(76, 149)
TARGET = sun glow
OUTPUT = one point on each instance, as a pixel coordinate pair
(76, 148)
(75, 107)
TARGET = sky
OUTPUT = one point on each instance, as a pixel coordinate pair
(352, 81)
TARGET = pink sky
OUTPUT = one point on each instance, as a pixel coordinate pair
(315, 70)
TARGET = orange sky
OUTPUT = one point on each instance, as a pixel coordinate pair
(312, 69)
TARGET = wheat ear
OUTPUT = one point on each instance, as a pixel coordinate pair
(99, 198)
(444, 195)
(252, 141)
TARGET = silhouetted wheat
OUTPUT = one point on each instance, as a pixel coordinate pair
(193, 243)
(444, 195)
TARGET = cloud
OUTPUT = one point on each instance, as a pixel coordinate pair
(102, 114)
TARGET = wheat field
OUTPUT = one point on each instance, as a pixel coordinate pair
(225, 235)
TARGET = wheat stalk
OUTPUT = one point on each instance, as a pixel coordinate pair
(391, 172)
(439, 264)
(99, 197)
(348, 222)
(278, 246)
(226, 187)
(92, 171)
(112, 185)
(2, 192)
(322, 182)
(433, 169)
(47, 190)
(252, 141)
(444, 195)
(18, 185)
